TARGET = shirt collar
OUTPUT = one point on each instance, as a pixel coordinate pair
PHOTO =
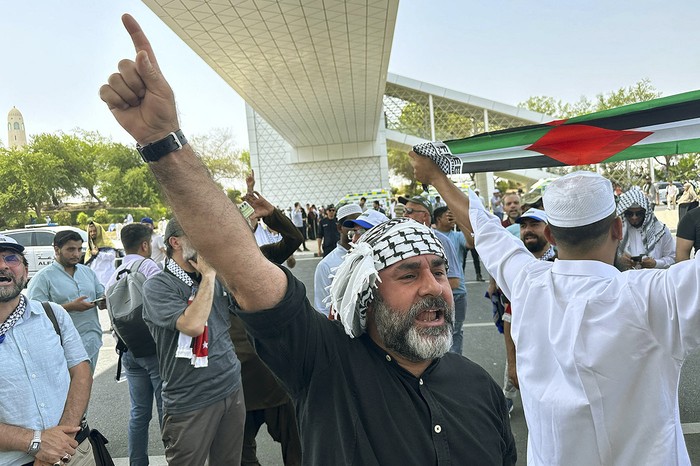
(584, 267)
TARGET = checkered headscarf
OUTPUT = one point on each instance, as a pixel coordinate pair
(652, 229)
(380, 247)
(439, 153)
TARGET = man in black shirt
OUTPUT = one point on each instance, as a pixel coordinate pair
(688, 235)
(378, 388)
(328, 234)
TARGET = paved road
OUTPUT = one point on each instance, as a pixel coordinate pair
(110, 401)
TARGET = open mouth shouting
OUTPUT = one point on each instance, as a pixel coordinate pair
(431, 317)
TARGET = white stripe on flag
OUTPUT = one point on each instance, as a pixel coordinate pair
(670, 132)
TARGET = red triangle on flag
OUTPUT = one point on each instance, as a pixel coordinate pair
(579, 144)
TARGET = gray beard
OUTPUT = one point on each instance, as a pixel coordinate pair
(8, 294)
(399, 333)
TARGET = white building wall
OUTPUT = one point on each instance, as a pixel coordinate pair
(318, 175)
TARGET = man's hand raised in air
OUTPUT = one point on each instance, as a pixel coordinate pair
(138, 95)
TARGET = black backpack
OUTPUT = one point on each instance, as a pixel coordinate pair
(125, 307)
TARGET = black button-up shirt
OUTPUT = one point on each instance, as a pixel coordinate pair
(356, 406)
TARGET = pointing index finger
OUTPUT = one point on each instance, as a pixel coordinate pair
(138, 37)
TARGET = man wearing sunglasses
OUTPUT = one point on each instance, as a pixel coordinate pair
(646, 242)
(46, 378)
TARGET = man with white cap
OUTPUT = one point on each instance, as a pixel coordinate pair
(378, 388)
(322, 275)
(646, 242)
(594, 344)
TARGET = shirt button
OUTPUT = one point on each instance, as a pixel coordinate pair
(42, 405)
(420, 382)
(24, 351)
(33, 376)
(388, 358)
(438, 429)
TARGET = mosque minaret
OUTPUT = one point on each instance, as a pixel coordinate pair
(16, 136)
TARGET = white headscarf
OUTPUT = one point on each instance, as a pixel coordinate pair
(380, 247)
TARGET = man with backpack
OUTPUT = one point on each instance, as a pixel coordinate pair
(139, 358)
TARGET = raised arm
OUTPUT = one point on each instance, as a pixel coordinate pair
(427, 172)
(143, 103)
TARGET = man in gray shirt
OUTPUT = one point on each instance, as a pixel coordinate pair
(186, 310)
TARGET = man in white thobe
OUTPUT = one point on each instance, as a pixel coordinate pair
(599, 350)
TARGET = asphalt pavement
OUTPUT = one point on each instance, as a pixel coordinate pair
(109, 405)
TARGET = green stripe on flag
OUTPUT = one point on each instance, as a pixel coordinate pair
(497, 141)
(652, 150)
(631, 108)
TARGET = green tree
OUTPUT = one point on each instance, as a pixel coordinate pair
(31, 178)
(641, 91)
(126, 181)
(219, 153)
(63, 218)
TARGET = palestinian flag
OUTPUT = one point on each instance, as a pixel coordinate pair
(664, 126)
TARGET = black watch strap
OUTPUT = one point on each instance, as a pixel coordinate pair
(155, 150)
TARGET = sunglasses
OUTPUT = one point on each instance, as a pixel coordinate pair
(13, 260)
(631, 214)
(410, 211)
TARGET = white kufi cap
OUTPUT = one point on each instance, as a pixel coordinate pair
(578, 199)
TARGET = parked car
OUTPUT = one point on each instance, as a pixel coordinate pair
(38, 244)
(661, 189)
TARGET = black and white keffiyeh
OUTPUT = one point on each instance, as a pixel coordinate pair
(652, 228)
(380, 247)
(13, 318)
(439, 153)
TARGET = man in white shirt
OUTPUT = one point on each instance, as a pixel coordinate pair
(646, 242)
(594, 344)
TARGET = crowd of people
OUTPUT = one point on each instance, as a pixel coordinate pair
(598, 304)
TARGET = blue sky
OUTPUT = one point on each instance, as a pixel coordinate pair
(57, 54)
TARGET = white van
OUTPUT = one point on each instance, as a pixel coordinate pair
(38, 244)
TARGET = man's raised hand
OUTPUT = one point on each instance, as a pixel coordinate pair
(138, 95)
(424, 169)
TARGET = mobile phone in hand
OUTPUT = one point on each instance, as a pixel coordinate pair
(637, 258)
(99, 301)
(246, 209)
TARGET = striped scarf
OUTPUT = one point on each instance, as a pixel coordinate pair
(196, 349)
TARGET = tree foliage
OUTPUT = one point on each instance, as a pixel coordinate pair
(220, 154)
(641, 91)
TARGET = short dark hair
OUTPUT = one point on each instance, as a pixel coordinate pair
(62, 237)
(133, 234)
(439, 212)
(585, 237)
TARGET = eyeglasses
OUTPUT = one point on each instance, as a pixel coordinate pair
(13, 260)
(633, 213)
(410, 211)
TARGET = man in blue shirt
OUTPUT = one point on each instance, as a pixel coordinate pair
(46, 379)
(445, 224)
(75, 287)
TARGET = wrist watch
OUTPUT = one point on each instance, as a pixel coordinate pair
(35, 445)
(156, 150)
